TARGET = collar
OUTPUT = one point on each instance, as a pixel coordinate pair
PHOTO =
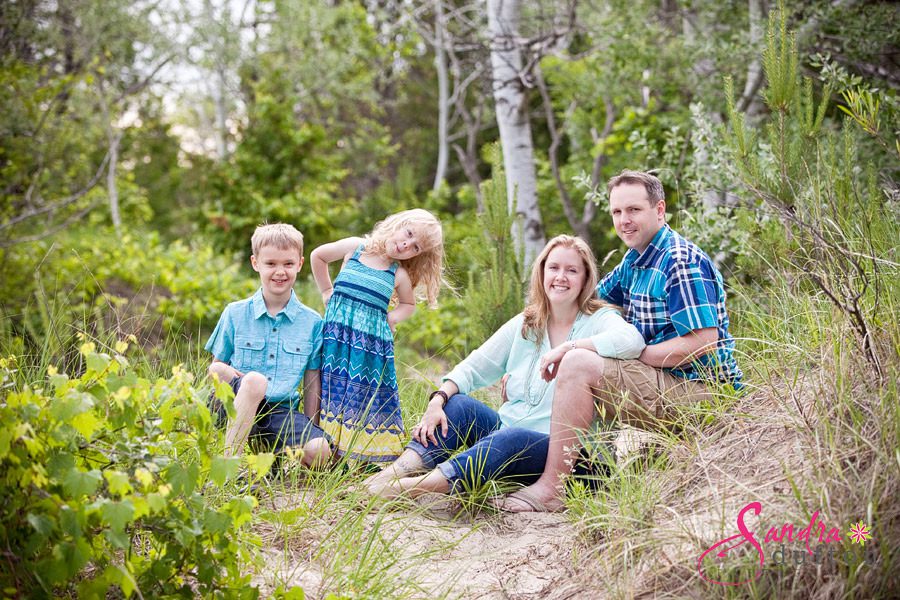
(653, 249)
(291, 310)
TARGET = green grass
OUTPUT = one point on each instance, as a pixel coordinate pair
(815, 431)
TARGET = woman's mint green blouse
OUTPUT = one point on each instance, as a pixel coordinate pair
(530, 397)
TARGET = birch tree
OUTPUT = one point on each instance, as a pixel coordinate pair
(511, 107)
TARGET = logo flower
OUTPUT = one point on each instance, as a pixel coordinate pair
(860, 533)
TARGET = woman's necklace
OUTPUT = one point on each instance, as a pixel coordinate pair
(533, 398)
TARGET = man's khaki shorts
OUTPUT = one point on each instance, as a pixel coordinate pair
(639, 393)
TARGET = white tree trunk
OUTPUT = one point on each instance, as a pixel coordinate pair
(221, 114)
(112, 191)
(440, 63)
(749, 101)
(515, 128)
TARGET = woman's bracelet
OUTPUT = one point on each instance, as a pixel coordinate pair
(444, 397)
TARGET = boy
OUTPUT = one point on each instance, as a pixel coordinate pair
(264, 346)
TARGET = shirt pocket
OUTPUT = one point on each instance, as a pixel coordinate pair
(649, 313)
(250, 354)
(297, 355)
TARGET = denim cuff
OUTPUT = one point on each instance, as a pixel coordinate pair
(423, 453)
(450, 473)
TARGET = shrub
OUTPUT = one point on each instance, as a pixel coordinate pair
(101, 477)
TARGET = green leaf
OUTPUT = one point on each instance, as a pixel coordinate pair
(6, 436)
(294, 593)
(215, 522)
(156, 502)
(183, 479)
(86, 424)
(43, 524)
(59, 464)
(119, 575)
(78, 483)
(74, 403)
(224, 468)
(70, 557)
(118, 481)
(97, 362)
(117, 515)
(260, 463)
(57, 380)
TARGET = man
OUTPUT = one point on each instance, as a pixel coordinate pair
(672, 292)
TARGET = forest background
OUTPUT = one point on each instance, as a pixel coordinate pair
(142, 142)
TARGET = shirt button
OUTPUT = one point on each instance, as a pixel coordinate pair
(248, 343)
(271, 356)
(269, 378)
(274, 329)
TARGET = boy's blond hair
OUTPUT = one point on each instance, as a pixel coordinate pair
(280, 235)
(427, 269)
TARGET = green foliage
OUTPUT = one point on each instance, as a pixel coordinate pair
(282, 171)
(67, 76)
(839, 229)
(497, 283)
(87, 282)
(101, 478)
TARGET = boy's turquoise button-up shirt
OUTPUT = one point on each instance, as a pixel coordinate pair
(282, 347)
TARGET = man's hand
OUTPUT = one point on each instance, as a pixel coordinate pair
(503, 395)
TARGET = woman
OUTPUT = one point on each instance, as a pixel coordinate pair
(563, 313)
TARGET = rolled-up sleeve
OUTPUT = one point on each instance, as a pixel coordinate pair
(691, 294)
(486, 365)
(613, 337)
(221, 341)
(315, 337)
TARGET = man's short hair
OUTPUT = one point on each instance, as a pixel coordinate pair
(653, 185)
(280, 235)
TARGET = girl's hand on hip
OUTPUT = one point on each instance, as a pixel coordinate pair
(424, 431)
(392, 322)
(326, 296)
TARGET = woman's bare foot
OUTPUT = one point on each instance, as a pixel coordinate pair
(407, 464)
(412, 487)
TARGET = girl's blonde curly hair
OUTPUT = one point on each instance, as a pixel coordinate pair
(426, 270)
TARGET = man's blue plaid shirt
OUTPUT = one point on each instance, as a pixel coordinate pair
(670, 289)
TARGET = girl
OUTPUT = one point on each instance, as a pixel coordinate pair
(360, 401)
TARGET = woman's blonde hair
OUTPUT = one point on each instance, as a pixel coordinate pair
(537, 311)
(426, 270)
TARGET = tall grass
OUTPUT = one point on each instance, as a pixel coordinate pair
(815, 432)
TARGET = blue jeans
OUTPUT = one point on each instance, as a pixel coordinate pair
(492, 453)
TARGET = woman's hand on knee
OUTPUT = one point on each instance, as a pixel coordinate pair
(424, 432)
